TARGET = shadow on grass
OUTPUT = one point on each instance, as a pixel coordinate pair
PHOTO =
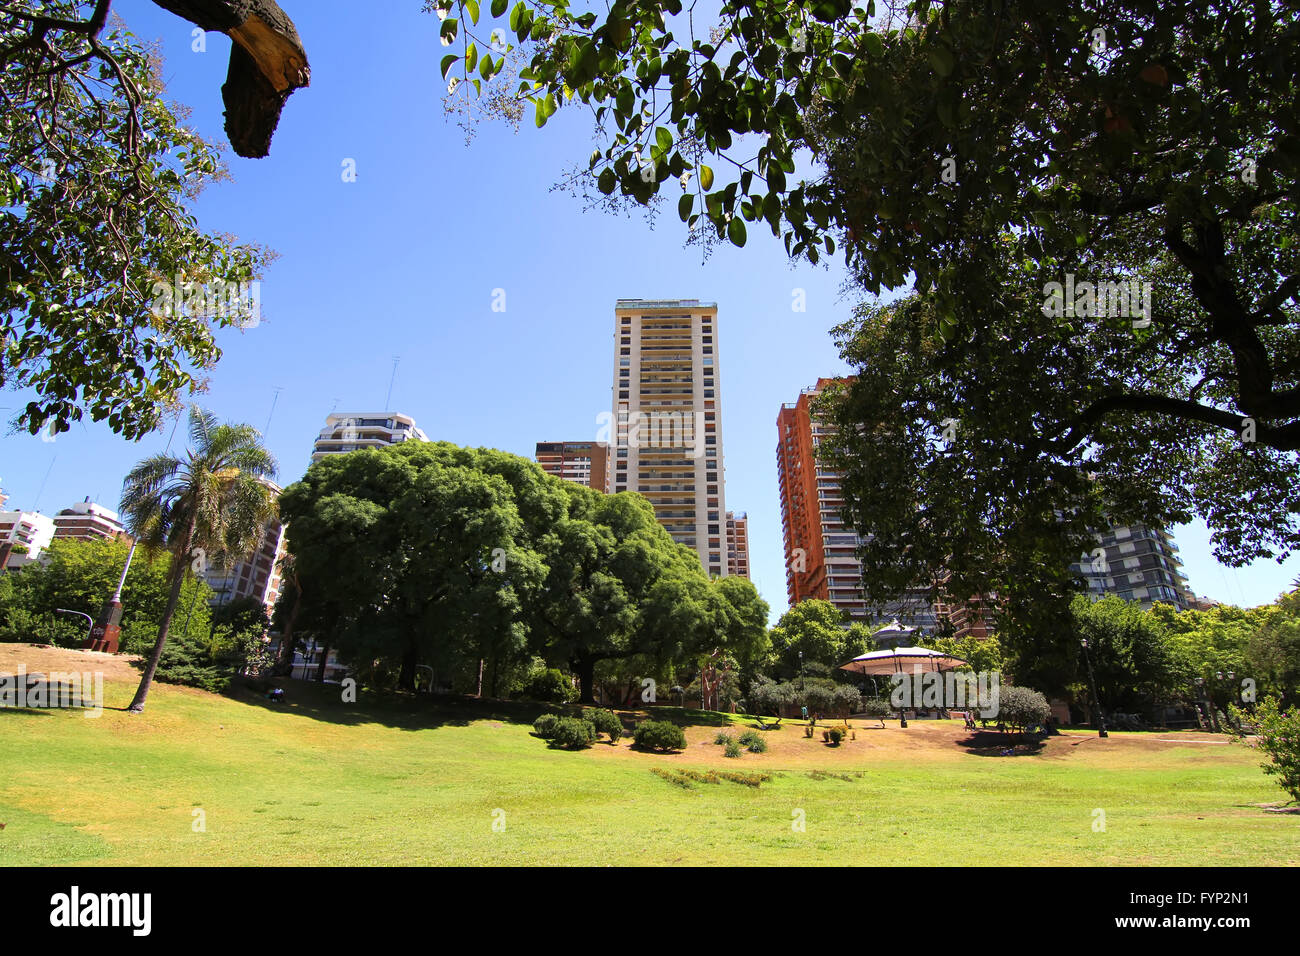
(406, 711)
(993, 743)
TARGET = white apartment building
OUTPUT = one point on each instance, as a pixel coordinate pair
(666, 429)
(23, 536)
(352, 431)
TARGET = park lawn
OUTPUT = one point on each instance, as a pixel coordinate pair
(407, 781)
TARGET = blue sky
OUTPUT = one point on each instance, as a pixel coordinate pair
(404, 262)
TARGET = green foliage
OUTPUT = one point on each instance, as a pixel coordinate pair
(722, 738)
(1131, 656)
(836, 735)
(1278, 738)
(732, 749)
(605, 722)
(1021, 708)
(513, 563)
(548, 685)
(208, 661)
(981, 654)
(97, 195)
(753, 741)
(815, 628)
(81, 575)
(572, 733)
(659, 735)
(875, 707)
(544, 726)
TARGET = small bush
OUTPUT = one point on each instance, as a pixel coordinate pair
(1020, 707)
(1278, 739)
(752, 741)
(732, 749)
(605, 722)
(836, 734)
(573, 733)
(723, 738)
(659, 735)
(544, 726)
(549, 686)
(876, 707)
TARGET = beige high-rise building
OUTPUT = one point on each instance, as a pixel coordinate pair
(738, 543)
(584, 462)
(666, 431)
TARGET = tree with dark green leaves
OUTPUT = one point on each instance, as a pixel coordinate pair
(215, 500)
(816, 632)
(1138, 157)
(1132, 658)
(618, 587)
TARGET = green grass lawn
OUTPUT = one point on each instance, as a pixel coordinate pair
(318, 781)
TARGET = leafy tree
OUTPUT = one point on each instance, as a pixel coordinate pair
(981, 654)
(443, 555)
(1134, 665)
(217, 499)
(96, 194)
(982, 155)
(1278, 736)
(1021, 708)
(618, 587)
(745, 636)
(820, 631)
(1273, 651)
(1208, 644)
(80, 576)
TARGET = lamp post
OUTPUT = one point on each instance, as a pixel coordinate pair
(1092, 682)
(105, 634)
(90, 623)
(1207, 703)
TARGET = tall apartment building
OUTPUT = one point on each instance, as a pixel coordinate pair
(256, 575)
(667, 431)
(351, 431)
(738, 543)
(820, 550)
(88, 521)
(584, 462)
(1137, 563)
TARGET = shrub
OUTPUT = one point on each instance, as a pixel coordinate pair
(573, 733)
(836, 735)
(605, 722)
(1279, 739)
(732, 749)
(753, 741)
(722, 738)
(549, 686)
(875, 707)
(1021, 707)
(659, 735)
(544, 726)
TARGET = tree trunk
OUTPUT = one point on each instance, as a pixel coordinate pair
(586, 671)
(285, 663)
(406, 677)
(320, 672)
(179, 568)
(479, 693)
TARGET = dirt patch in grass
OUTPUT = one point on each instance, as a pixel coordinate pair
(42, 658)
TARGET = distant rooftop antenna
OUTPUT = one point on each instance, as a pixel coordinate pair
(391, 380)
(275, 398)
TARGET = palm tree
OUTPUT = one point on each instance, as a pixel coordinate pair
(215, 500)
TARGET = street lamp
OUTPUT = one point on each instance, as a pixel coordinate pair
(1092, 681)
(90, 622)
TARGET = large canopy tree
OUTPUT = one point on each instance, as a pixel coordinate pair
(981, 153)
